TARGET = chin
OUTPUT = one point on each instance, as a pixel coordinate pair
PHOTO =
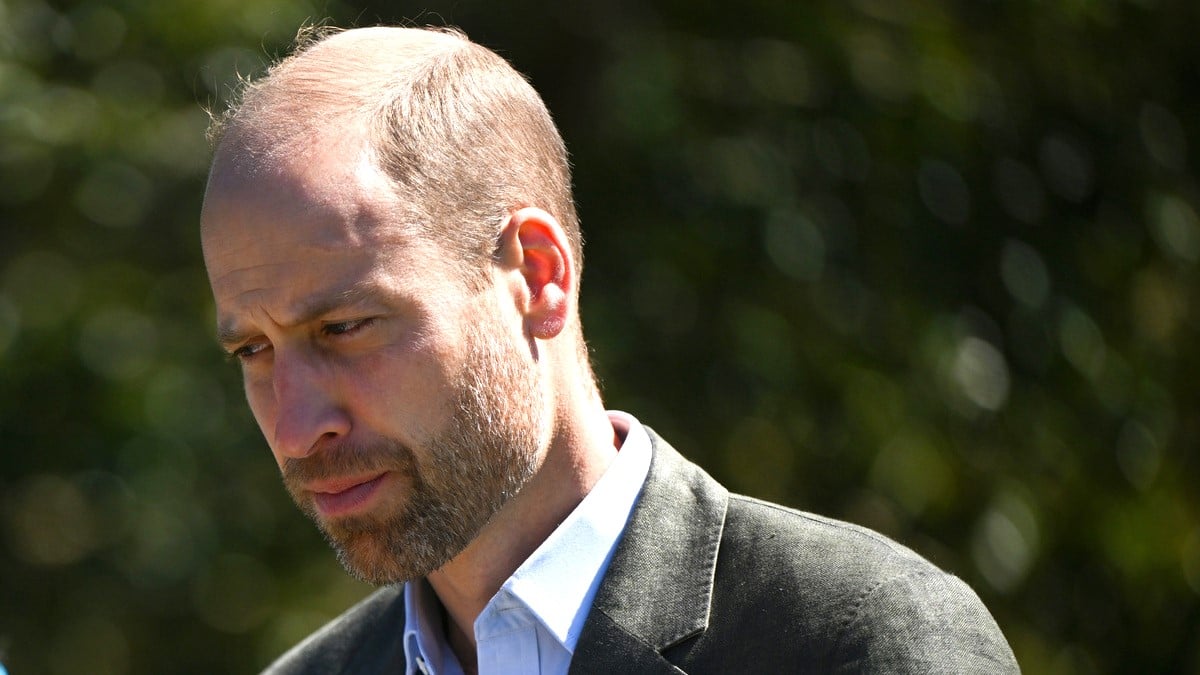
(365, 559)
(386, 556)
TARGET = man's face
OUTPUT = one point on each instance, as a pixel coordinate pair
(403, 409)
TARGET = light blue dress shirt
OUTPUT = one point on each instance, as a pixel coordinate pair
(532, 624)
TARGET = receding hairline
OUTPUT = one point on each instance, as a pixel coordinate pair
(333, 76)
(459, 131)
(327, 89)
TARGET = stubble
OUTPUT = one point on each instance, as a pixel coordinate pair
(482, 458)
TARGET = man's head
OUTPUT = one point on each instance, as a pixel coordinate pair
(394, 255)
(463, 136)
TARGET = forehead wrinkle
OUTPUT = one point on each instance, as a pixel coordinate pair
(261, 270)
(308, 308)
(367, 227)
(326, 211)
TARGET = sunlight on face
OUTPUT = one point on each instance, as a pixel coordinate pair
(455, 482)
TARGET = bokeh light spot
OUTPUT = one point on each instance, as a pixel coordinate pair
(86, 642)
(779, 71)
(1159, 305)
(1163, 136)
(135, 87)
(950, 86)
(879, 67)
(184, 403)
(913, 470)
(794, 244)
(174, 139)
(50, 521)
(164, 547)
(1067, 167)
(1024, 273)
(1175, 228)
(62, 115)
(97, 32)
(114, 194)
(1138, 455)
(744, 171)
(1082, 342)
(981, 374)
(118, 343)
(1006, 541)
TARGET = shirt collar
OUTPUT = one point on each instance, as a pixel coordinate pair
(423, 633)
(559, 580)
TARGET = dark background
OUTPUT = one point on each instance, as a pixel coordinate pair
(928, 266)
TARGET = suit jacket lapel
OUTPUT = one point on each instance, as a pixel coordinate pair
(658, 588)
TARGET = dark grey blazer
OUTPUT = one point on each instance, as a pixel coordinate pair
(707, 582)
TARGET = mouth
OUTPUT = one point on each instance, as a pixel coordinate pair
(342, 497)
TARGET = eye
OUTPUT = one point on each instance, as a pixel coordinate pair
(339, 328)
(248, 352)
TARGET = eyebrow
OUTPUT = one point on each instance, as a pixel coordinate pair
(307, 310)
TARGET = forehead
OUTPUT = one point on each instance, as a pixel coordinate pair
(326, 178)
(276, 230)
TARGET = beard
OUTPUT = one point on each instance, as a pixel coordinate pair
(469, 470)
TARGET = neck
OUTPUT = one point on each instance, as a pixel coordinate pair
(464, 648)
(580, 450)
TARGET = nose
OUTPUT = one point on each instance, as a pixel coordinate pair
(309, 414)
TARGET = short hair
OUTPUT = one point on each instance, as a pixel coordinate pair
(461, 134)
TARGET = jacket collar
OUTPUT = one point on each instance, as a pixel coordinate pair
(658, 588)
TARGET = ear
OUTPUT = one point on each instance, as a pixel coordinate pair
(533, 243)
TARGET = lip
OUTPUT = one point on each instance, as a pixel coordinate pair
(344, 496)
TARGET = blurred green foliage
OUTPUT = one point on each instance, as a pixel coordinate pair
(930, 266)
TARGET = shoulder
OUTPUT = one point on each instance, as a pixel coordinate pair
(810, 543)
(365, 638)
(855, 598)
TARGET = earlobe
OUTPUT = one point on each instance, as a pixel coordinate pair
(533, 243)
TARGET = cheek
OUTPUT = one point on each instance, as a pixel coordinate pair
(405, 395)
(261, 399)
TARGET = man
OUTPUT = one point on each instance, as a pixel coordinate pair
(395, 258)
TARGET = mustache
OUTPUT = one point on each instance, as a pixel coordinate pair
(343, 460)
